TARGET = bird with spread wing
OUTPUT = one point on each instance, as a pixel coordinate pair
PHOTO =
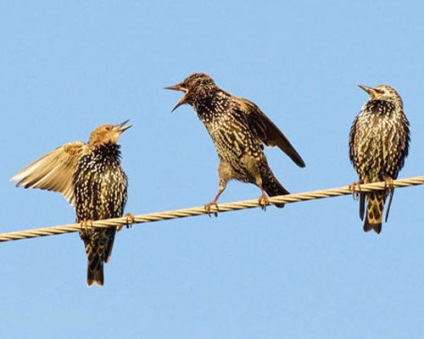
(90, 177)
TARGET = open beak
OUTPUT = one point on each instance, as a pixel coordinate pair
(369, 90)
(183, 100)
(177, 87)
(121, 127)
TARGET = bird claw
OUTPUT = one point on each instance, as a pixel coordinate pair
(355, 188)
(208, 208)
(263, 201)
(388, 185)
(85, 224)
(129, 221)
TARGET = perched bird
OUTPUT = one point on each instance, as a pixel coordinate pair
(239, 129)
(378, 145)
(92, 180)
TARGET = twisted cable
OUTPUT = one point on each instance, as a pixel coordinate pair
(195, 211)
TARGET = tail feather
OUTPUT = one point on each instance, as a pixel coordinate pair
(98, 247)
(362, 205)
(374, 217)
(95, 270)
(273, 188)
(110, 233)
(392, 191)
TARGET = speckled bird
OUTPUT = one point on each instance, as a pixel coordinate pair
(91, 178)
(239, 129)
(378, 145)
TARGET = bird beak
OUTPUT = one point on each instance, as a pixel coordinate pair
(369, 90)
(177, 87)
(121, 127)
(183, 100)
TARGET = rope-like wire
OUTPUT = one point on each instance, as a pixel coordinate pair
(194, 211)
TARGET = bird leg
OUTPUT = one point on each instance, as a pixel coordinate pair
(209, 205)
(86, 223)
(84, 228)
(221, 188)
(388, 181)
(214, 204)
(129, 221)
(263, 200)
(355, 188)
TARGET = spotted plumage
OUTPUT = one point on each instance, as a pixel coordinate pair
(91, 179)
(378, 145)
(239, 129)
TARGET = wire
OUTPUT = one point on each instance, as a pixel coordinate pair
(195, 211)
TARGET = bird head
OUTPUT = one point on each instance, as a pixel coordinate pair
(383, 92)
(194, 86)
(107, 133)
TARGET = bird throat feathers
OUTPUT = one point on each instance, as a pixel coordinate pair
(97, 139)
(108, 149)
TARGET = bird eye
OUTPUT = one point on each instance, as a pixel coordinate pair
(108, 128)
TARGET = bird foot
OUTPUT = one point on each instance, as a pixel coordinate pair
(208, 208)
(388, 185)
(263, 201)
(355, 188)
(129, 221)
(85, 224)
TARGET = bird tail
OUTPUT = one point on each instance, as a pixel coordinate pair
(374, 216)
(94, 269)
(273, 187)
(98, 247)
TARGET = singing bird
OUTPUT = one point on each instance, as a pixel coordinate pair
(91, 178)
(239, 129)
(378, 145)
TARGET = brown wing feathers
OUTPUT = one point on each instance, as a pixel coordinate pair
(268, 132)
(53, 171)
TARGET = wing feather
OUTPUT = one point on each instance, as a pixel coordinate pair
(267, 131)
(53, 171)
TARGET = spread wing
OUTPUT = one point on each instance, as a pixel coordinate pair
(267, 131)
(53, 171)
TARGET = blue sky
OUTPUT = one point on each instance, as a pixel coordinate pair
(307, 271)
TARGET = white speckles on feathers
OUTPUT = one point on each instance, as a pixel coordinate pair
(378, 146)
(100, 189)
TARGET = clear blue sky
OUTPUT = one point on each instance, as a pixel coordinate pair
(307, 271)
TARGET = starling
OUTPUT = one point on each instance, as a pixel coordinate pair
(378, 145)
(239, 129)
(91, 178)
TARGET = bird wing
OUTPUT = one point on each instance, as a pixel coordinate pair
(267, 131)
(53, 171)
